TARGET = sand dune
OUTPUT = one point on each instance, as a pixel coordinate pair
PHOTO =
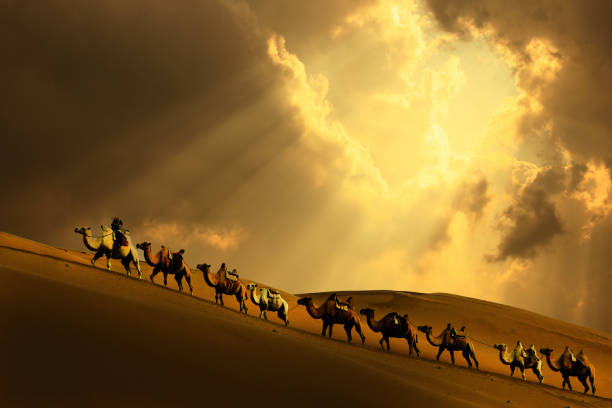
(73, 334)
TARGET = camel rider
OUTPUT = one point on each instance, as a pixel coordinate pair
(454, 333)
(519, 351)
(231, 275)
(119, 237)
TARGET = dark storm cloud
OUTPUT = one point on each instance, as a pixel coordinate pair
(533, 219)
(472, 197)
(95, 93)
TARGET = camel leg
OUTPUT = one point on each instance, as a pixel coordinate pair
(583, 380)
(388, 345)
(381, 342)
(137, 266)
(331, 327)
(566, 381)
(452, 353)
(265, 315)
(523, 373)
(325, 324)
(537, 370)
(512, 367)
(357, 324)
(188, 279)
(466, 355)
(155, 272)
(592, 380)
(473, 355)
(412, 346)
(440, 350)
(221, 299)
(347, 328)
(179, 281)
(126, 264)
(243, 306)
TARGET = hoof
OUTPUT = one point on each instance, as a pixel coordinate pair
(93, 262)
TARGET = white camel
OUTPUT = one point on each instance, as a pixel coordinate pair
(268, 300)
(103, 246)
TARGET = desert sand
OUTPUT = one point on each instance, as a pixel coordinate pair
(73, 334)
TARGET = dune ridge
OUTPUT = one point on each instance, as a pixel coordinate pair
(74, 333)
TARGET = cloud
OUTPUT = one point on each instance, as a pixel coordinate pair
(472, 197)
(561, 53)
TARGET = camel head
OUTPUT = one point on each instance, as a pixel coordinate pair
(204, 267)
(546, 351)
(366, 312)
(425, 329)
(251, 286)
(143, 245)
(304, 301)
(500, 347)
(82, 230)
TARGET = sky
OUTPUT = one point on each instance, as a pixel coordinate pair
(456, 146)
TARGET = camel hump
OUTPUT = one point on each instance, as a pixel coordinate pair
(177, 260)
(274, 292)
(582, 358)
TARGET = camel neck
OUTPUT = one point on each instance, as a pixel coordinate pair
(503, 357)
(551, 363)
(90, 242)
(373, 324)
(254, 298)
(431, 340)
(149, 258)
(313, 311)
(210, 281)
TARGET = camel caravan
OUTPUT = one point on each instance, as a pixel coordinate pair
(116, 243)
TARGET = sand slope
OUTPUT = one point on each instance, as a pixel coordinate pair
(73, 334)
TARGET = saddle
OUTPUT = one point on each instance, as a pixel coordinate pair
(273, 293)
(399, 321)
(459, 337)
(232, 276)
(345, 306)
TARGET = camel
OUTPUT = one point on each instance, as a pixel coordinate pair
(446, 341)
(162, 262)
(103, 246)
(579, 366)
(393, 325)
(331, 315)
(267, 300)
(521, 360)
(224, 286)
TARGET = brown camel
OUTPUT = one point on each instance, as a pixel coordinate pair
(447, 341)
(579, 366)
(331, 315)
(393, 325)
(225, 286)
(161, 262)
